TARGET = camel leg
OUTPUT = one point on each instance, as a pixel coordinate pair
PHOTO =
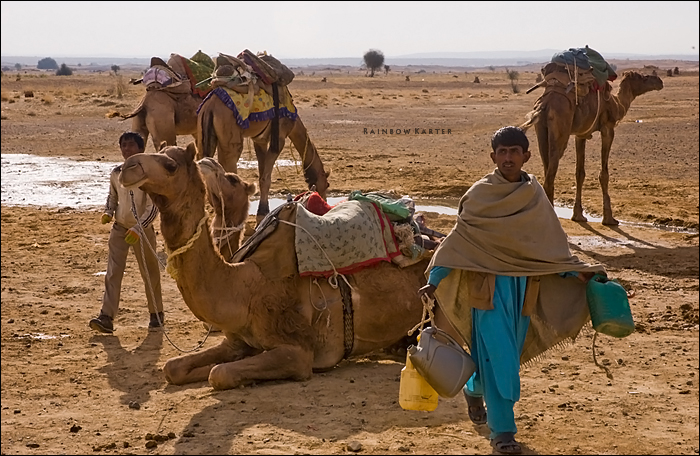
(283, 362)
(196, 367)
(162, 130)
(266, 163)
(230, 142)
(607, 135)
(580, 177)
(138, 124)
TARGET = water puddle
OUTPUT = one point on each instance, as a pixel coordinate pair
(30, 180)
(40, 336)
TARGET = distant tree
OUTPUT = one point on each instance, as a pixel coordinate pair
(115, 68)
(47, 64)
(18, 66)
(374, 59)
(491, 67)
(64, 70)
(387, 69)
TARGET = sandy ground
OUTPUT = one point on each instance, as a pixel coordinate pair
(68, 390)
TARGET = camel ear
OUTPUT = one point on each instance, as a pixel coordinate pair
(162, 146)
(191, 151)
(251, 188)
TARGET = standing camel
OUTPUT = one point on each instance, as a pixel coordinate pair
(169, 107)
(217, 127)
(164, 116)
(557, 114)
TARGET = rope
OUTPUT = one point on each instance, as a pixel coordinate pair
(148, 277)
(171, 267)
(607, 371)
(428, 304)
(597, 114)
(333, 279)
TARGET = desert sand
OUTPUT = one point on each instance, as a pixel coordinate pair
(68, 390)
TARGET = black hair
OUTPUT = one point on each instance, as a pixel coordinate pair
(510, 136)
(136, 137)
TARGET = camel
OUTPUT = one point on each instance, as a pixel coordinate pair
(557, 115)
(217, 127)
(165, 116)
(230, 205)
(277, 324)
(169, 109)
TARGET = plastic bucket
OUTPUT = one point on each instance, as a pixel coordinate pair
(609, 307)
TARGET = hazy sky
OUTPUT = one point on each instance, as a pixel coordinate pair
(343, 29)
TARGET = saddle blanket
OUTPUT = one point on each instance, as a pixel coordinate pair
(261, 108)
(351, 236)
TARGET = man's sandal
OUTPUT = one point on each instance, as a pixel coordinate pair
(476, 409)
(505, 443)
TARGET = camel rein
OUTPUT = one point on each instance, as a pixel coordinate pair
(169, 264)
(597, 114)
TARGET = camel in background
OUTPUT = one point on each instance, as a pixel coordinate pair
(558, 114)
(277, 324)
(217, 127)
(230, 204)
(169, 107)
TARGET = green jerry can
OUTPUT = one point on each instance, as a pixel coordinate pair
(609, 307)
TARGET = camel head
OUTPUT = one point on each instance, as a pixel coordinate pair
(321, 185)
(640, 83)
(226, 192)
(169, 176)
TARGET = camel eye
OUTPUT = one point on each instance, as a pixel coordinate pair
(170, 166)
(234, 180)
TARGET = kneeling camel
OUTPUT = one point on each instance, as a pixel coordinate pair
(277, 324)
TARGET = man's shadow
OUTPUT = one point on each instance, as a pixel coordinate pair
(134, 372)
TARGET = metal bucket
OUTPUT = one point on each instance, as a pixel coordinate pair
(609, 307)
(441, 361)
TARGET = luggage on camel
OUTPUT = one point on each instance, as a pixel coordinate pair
(582, 69)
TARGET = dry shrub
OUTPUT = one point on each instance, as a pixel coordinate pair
(28, 94)
(31, 114)
(4, 95)
(48, 98)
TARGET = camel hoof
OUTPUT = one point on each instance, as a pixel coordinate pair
(579, 218)
(610, 221)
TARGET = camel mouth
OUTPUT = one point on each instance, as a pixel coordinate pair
(132, 177)
(209, 165)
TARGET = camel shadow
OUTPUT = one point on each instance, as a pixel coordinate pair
(356, 397)
(677, 262)
(132, 372)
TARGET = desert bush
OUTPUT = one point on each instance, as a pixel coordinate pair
(28, 94)
(4, 95)
(513, 77)
(119, 84)
(48, 98)
(47, 64)
(64, 70)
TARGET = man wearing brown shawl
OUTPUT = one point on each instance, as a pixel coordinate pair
(509, 284)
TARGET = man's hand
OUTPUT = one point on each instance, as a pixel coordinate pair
(106, 218)
(585, 276)
(427, 290)
(132, 237)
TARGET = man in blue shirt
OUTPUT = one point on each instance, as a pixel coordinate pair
(510, 286)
